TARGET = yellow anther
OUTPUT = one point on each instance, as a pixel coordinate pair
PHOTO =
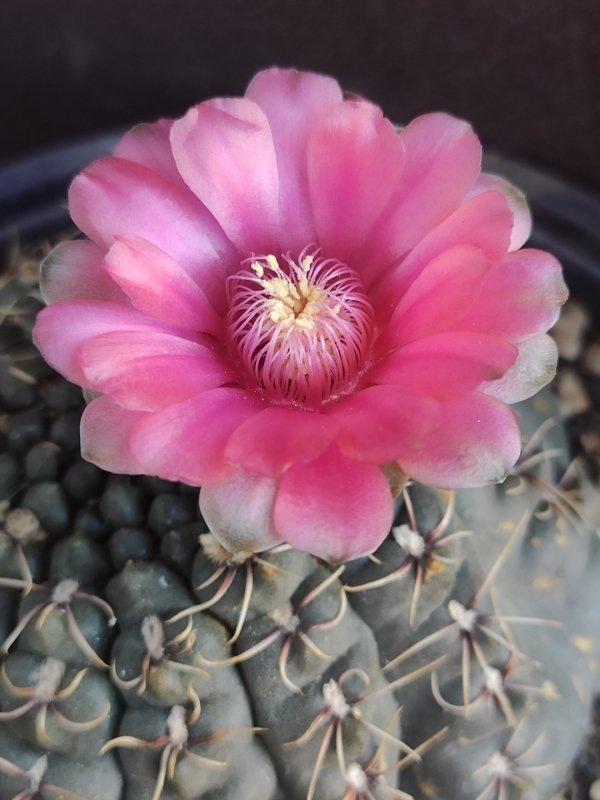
(272, 262)
(307, 262)
(258, 268)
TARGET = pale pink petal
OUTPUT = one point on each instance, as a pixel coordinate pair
(442, 162)
(61, 328)
(73, 271)
(484, 221)
(333, 507)
(105, 432)
(239, 512)
(520, 296)
(446, 364)
(521, 223)
(149, 144)
(271, 441)
(224, 151)
(476, 442)
(381, 423)
(355, 159)
(439, 298)
(293, 103)
(187, 441)
(114, 197)
(150, 370)
(534, 368)
(157, 285)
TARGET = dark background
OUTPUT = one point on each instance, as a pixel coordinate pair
(525, 72)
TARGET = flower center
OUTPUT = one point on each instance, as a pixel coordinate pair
(300, 329)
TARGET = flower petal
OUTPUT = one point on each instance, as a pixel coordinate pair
(438, 299)
(61, 328)
(534, 368)
(520, 296)
(271, 441)
(149, 144)
(157, 285)
(114, 197)
(442, 162)
(476, 442)
(105, 432)
(333, 507)
(293, 103)
(446, 364)
(521, 222)
(73, 271)
(239, 512)
(355, 159)
(381, 423)
(150, 370)
(484, 221)
(186, 441)
(224, 151)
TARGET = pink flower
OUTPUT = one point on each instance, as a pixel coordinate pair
(284, 294)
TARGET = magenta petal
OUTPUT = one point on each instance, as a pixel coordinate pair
(105, 432)
(438, 299)
(520, 296)
(476, 442)
(150, 370)
(355, 159)
(272, 440)
(224, 151)
(149, 144)
(534, 368)
(442, 162)
(61, 328)
(521, 222)
(187, 441)
(484, 221)
(114, 197)
(239, 512)
(157, 285)
(293, 103)
(333, 507)
(381, 423)
(73, 271)
(446, 364)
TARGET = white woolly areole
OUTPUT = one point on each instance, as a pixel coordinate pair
(218, 554)
(154, 636)
(410, 541)
(499, 766)
(48, 679)
(356, 778)
(465, 617)
(335, 700)
(64, 591)
(176, 727)
(493, 679)
(284, 618)
(35, 775)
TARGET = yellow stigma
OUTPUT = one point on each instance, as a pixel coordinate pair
(292, 304)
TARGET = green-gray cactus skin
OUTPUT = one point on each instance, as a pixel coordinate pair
(458, 662)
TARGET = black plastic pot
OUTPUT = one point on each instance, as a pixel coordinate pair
(566, 218)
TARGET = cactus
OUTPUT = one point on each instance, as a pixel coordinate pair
(141, 660)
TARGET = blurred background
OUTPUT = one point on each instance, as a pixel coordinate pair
(526, 73)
